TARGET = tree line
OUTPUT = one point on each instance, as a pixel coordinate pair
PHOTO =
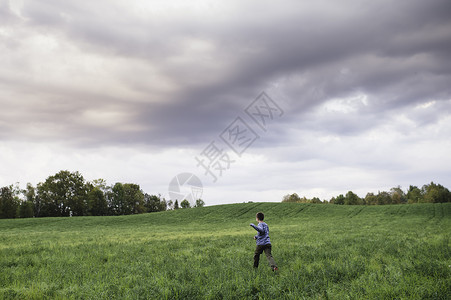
(69, 194)
(428, 193)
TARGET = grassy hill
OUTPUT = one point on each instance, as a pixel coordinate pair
(323, 252)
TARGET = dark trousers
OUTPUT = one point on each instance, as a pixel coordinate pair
(267, 249)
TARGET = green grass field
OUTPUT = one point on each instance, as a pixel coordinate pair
(323, 252)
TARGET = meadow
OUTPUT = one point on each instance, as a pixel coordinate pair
(323, 251)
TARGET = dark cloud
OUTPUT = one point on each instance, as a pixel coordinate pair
(214, 64)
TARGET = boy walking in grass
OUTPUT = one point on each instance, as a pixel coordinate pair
(263, 243)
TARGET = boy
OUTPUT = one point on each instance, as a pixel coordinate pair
(263, 243)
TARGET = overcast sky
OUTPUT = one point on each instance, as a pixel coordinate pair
(358, 94)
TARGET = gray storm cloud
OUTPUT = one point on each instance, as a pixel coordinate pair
(112, 72)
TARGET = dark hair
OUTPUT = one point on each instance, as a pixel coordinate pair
(260, 216)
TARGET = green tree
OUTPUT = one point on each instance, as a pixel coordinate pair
(117, 202)
(9, 204)
(98, 205)
(397, 195)
(30, 197)
(127, 198)
(436, 193)
(26, 209)
(316, 200)
(414, 195)
(29, 193)
(48, 205)
(170, 204)
(153, 203)
(98, 195)
(199, 203)
(185, 204)
(304, 200)
(340, 200)
(133, 198)
(383, 198)
(291, 198)
(100, 184)
(352, 199)
(370, 199)
(62, 193)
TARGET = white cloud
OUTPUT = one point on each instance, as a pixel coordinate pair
(350, 104)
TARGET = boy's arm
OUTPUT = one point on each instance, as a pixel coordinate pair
(256, 228)
(260, 230)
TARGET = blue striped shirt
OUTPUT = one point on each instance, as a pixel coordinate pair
(263, 233)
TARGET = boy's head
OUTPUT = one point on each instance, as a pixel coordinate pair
(260, 216)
